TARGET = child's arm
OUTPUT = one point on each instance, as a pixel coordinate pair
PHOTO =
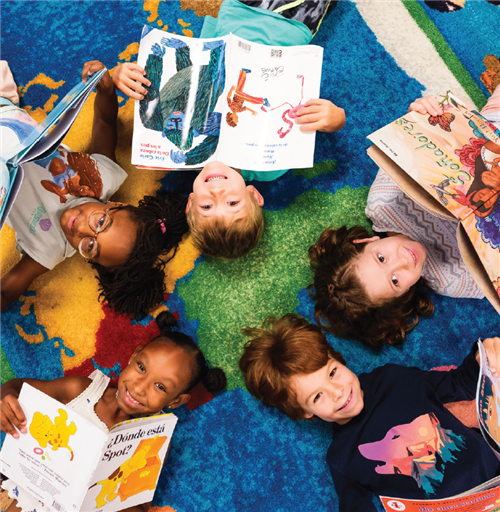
(63, 390)
(17, 280)
(105, 112)
(426, 105)
(128, 79)
(321, 115)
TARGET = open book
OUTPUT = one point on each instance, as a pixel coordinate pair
(450, 165)
(483, 497)
(43, 140)
(224, 99)
(70, 464)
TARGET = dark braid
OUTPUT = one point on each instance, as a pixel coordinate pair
(214, 379)
(138, 286)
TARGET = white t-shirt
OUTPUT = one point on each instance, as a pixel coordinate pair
(50, 186)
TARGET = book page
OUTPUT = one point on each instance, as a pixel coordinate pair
(130, 464)
(265, 88)
(177, 124)
(56, 458)
(488, 403)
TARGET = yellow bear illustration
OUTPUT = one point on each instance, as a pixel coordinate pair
(56, 434)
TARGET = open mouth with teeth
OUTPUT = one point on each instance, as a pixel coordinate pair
(413, 255)
(347, 402)
(131, 399)
(215, 177)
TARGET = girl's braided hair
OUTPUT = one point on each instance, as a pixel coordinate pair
(138, 286)
(214, 379)
(341, 299)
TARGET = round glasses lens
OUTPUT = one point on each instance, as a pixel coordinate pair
(99, 221)
(88, 247)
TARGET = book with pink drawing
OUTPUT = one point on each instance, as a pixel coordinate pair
(450, 165)
(224, 99)
(70, 464)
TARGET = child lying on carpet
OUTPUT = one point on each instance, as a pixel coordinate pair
(62, 207)
(392, 435)
(371, 288)
(159, 375)
(225, 219)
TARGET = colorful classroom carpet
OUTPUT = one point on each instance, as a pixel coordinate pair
(229, 452)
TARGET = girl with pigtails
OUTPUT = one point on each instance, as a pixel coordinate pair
(63, 207)
(159, 375)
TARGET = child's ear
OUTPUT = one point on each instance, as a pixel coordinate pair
(256, 194)
(365, 240)
(137, 350)
(308, 415)
(190, 202)
(177, 402)
(112, 204)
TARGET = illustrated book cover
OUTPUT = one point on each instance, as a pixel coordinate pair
(70, 464)
(450, 165)
(224, 99)
(42, 140)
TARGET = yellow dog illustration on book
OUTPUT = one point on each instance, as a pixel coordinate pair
(135, 475)
(56, 434)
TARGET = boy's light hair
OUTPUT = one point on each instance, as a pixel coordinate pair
(280, 350)
(218, 238)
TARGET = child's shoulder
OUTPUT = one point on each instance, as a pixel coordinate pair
(72, 386)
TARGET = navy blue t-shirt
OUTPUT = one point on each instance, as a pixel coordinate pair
(405, 443)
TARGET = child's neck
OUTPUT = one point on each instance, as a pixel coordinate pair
(108, 411)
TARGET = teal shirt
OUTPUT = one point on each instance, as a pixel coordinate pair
(260, 26)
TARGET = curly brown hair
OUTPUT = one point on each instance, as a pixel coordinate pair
(224, 240)
(278, 351)
(341, 299)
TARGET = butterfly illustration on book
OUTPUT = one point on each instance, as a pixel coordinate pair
(444, 120)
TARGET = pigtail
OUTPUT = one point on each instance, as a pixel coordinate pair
(138, 286)
(342, 305)
(214, 379)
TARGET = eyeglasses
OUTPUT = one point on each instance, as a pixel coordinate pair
(99, 221)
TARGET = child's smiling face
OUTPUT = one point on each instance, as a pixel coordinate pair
(220, 191)
(156, 377)
(389, 267)
(115, 243)
(333, 393)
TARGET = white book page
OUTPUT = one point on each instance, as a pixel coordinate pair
(55, 460)
(169, 125)
(286, 77)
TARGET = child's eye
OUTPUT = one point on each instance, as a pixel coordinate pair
(332, 373)
(161, 387)
(233, 203)
(206, 206)
(141, 367)
(100, 223)
(395, 281)
(381, 258)
(317, 397)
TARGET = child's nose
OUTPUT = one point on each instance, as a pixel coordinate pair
(337, 390)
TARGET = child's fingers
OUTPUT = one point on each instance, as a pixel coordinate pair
(131, 93)
(492, 349)
(91, 67)
(12, 416)
(426, 105)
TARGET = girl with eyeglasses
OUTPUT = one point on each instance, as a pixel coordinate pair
(62, 207)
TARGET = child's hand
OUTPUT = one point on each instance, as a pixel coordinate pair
(128, 79)
(426, 105)
(321, 115)
(492, 349)
(105, 84)
(12, 416)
